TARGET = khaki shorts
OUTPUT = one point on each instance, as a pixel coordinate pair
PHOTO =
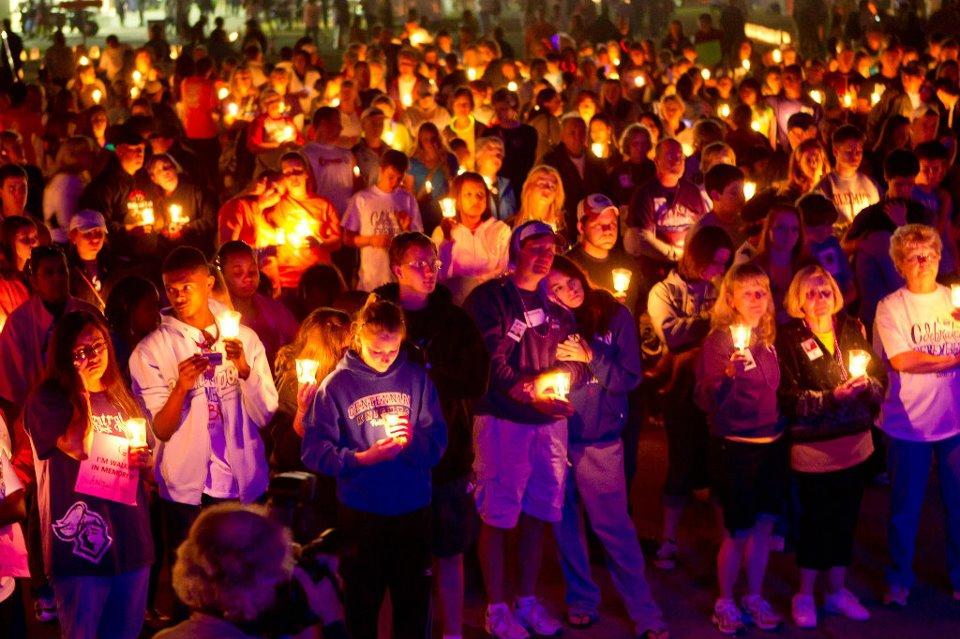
(519, 468)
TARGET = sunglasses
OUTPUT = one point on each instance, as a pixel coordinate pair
(84, 353)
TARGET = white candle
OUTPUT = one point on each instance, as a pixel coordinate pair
(847, 100)
(598, 149)
(687, 149)
(230, 324)
(176, 215)
(561, 385)
(777, 56)
(393, 422)
(84, 61)
(134, 92)
(816, 96)
(471, 74)
(335, 102)
(97, 95)
(859, 360)
(233, 109)
(136, 428)
(137, 77)
(724, 111)
(755, 125)
(639, 81)
(307, 370)
(875, 97)
(356, 170)
(146, 217)
(288, 133)
(705, 74)
(233, 36)
(512, 86)
(621, 280)
(749, 190)
(388, 137)
(448, 208)
(746, 65)
(223, 93)
(741, 336)
(428, 186)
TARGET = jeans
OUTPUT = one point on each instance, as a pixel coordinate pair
(597, 483)
(102, 607)
(909, 466)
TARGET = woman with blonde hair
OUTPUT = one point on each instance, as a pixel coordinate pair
(830, 404)
(737, 379)
(915, 332)
(782, 251)
(71, 174)
(542, 198)
(432, 168)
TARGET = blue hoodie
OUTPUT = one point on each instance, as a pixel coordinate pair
(601, 404)
(349, 415)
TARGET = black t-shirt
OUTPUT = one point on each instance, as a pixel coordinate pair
(600, 272)
(83, 535)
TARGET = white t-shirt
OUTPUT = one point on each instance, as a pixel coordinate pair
(375, 212)
(919, 407)
(850, 195)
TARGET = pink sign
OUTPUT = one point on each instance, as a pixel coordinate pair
(106, 472)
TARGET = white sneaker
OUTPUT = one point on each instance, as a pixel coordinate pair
(727, 617)
(843, 602)
(804, 609)
(500, 623)
(536, 619)
(758, 612)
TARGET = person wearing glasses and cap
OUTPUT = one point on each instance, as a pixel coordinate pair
(520, 427)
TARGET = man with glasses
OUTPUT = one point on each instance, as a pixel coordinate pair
(443, 337)
(520, 429)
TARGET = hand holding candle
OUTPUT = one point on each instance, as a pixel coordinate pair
(741, 336)
(136, 428)
(553, 385)
(448, 208)
(307, 370)
(859, 360)
(621, 281)
(397, 428)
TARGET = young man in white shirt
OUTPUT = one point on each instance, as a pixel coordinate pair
(850, 189)
(331, 165)
(208, 394)
(375, 215)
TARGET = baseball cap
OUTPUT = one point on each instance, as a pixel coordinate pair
(595, 204)
(87, 220)
(528, 231)
(370, 113)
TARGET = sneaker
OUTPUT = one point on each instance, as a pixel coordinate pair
(727, 617)
(666, 557)
(45, 609)
(804, 609)
(896, 596)
(843, 602)
(500, 623)
(535, 618)
(758, 612)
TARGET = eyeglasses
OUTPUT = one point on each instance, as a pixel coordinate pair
(922, 258)
(823, 294)
(425, 265)
(84, 353)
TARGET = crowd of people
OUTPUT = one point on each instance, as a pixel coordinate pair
(450, 281)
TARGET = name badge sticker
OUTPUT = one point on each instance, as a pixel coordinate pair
(812, 349)
(750, 363)
(535, 318)
(517, 329)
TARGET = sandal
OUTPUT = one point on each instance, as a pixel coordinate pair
(580, 620)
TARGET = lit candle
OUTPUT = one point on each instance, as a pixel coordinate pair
(406, 100)
(858, 363)
(512, 86)
(137, 77)
(97, 95)
(847, 100)
(428, 186)
(599, 149)
(230, 324)
(146, 217)
(288, 133)
(388, 137)
(687, 149)
(746, 64)
(136, 428)
(749, 190)
(356, 171)
(176, 213)
(335, 102)
(233, 36)
(777, 56)
(561, 385)
(621, 280)
(448, 208)
(307, 370)
(94, 51)
(134, 92)
(174, 53)
(84, 61)
(233, 109)
(741, 336)
(639, 81)
(613, 75)
(875, 97)
(223, 93)
(955, 295)
(393, 423)
(755, 125)
(705, 74)
(816, 96)
(280, 237)
(724, 111)
(471, 74)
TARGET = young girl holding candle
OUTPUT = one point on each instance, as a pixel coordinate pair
(96, 548)
(737, 388)
(377, 427)
(607, 342)
(830, 407)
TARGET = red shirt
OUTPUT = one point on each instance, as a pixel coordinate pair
(199, 100)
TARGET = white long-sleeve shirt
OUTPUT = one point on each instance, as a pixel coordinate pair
(471, 258)
(186, 462)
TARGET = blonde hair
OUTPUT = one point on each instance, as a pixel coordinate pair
(555, 212)
(378, 315)
(911, 236)
(724, 313)
(232, 561)
(797, 292)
